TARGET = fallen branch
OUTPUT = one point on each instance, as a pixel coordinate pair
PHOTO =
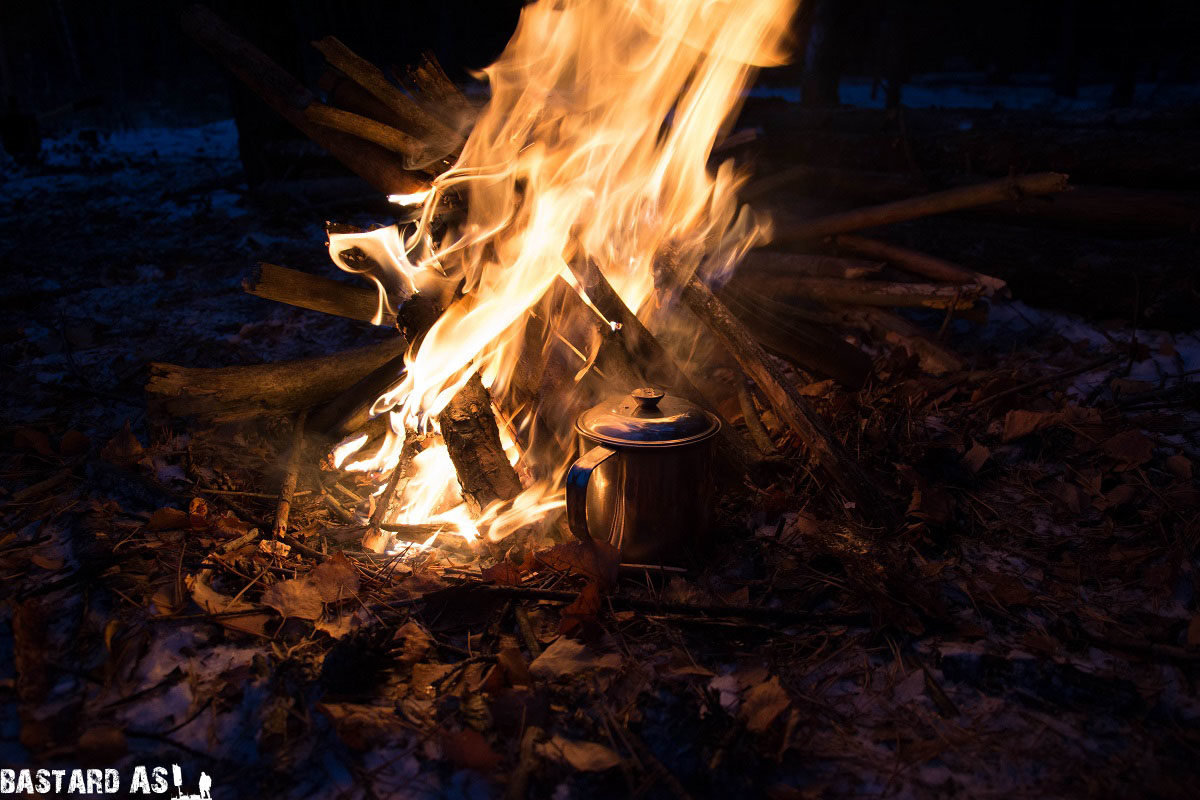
(770, 263)
(886, 294)
(289, 98)
(923, 206)
(284, 387)
(287, 489)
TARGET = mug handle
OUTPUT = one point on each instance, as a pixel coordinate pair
(578, 478)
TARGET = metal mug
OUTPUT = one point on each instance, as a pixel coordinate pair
(645, 479)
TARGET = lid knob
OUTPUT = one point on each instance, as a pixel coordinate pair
(647, 397)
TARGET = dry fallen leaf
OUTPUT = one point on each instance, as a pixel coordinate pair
(763, 704)
(976, 457)
(597, 560)
(1018, 423)
(566, 656)
(503, 573)
(336, 578)
(468, 749)
(168, 519)
(580, 756)
(584, 607)
(124, 449)
(74, 443)
(35, 440)
(1179, 466)
(214, 602)
(1129, 448)
(416, 642)
(295, 597)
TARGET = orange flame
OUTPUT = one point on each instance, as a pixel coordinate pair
(595, 145)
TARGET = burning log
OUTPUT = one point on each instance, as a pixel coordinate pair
(916, 262)
(936, 203)
(284, 387)
(473, 440)
(289, 98)
(414, 120)
(305, 290)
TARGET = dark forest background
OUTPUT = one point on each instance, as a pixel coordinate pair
(121, 63)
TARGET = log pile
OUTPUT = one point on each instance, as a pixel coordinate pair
(784, 305)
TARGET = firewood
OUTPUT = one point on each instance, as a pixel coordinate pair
(428, 82)
(782, 262)
(416, 121)
(473, 441)
(303, 289)
(923, 206)
(811, 346)
(284, 387)
(415, 152)
(933, 357)
(886, 294)
(785, 400)
(289, 98)
(916, 262)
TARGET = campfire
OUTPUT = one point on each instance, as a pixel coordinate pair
(574, 239)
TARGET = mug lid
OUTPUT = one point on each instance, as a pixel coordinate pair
(647, 417)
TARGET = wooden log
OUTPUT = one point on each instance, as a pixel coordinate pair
(886, 294)
(917, 262)
(439, 95)
(415, 152)
(785, 400)
(923, 206)
(811, 346)
(416, 121)
(473, 441)
(289, 98)
(305, 290)
(782, 262)
(284, 387)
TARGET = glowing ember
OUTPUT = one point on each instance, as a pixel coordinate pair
(595, 145)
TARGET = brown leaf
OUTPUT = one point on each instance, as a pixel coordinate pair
(818, 389)
(468, 749)
(49, 563)
(295, 597)
(124, 449)
(1008, 590)
(416, 642)
(1129, 448)
(1119, 495)
(763, 704)
(976, 457)
(597, 560)
(566, 656)
(197, 513)
(168, 519)
(503, 573)
(35, 440)
(74, 443)
(514, 666)
(580, 756)
(1018, 423)
(583, 608)
(336, 578)
(1179, 466)
(214, 602)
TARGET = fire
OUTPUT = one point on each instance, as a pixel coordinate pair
(595, 145)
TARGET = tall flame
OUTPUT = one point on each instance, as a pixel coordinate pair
(595, 145)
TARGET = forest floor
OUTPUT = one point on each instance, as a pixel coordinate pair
(1031, 628)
